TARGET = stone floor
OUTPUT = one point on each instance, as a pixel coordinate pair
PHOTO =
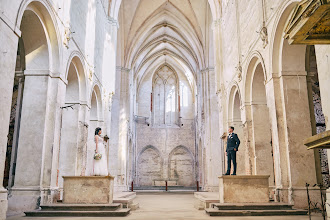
(174, 206)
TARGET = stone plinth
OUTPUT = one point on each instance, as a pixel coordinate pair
(244, 189)
(88, 189)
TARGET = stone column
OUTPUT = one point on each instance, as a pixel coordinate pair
(123, 126)
(294, 164)
(33, 141)
(249, 153)
(119, 129)
(212, 134)
(262, 142)
(68, 141)
(8, 53)
(50, 135)
(55, 177)
(82, 139)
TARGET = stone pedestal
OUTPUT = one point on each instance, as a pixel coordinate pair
(244, 189)
(88, 189)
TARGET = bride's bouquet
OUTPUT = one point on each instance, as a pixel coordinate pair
(97, 156)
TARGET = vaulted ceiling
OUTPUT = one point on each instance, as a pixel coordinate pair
(156, 31)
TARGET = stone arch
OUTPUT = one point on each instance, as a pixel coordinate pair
(234, 103)
(255, 58)
(38, 47)
(165, 89)
(95, 120)
(181, 166)
(96, 102)
(235, 119)
(76, 61)
(277, 37)
(43, 11)
(72, 109)
(290, 107)
(149, 166)
(257, 112)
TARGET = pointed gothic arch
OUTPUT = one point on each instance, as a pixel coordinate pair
(165, 90)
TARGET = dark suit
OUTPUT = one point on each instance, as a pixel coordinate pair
(232, 147)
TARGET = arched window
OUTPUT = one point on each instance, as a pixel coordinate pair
(165, 96)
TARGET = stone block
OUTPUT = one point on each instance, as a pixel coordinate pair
(88, 189)
(244, 189)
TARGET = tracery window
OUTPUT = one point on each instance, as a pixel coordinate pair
(165, 96)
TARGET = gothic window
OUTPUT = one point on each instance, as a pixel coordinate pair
(165, 97)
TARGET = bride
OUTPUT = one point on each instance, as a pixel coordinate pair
(100, 157)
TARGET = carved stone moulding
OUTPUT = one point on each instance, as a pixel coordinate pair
(309, 23)
(319, 141)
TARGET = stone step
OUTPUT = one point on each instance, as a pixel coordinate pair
(81, 207)
(126, 199)
(138, 188)
(215, 212)
(41, 213)
(251, 206)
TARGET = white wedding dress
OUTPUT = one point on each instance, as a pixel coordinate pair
(100, 166)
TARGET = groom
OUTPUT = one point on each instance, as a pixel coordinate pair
(232, 147)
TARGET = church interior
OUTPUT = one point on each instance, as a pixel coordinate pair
(164, 79)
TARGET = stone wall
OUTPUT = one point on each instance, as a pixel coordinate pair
(166, 153)
(58, 37)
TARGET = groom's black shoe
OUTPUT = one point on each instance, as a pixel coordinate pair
(234, 174)
(227, 174)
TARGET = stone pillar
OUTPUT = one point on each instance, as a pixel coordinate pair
(91, 146)
(245, 141)
(33, 141)
(123, 127)
(82, 139)
(280, 162)
(52, 119)
(55, 177)
(294, 164)
(262, 142)
(212, 136)
(9, 39)
(119, 129)
(68, 141)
